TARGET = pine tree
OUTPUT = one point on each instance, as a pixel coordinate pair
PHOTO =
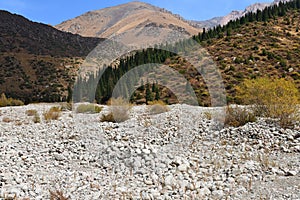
(142, 85)
(157, 94)
(153, 87)
(148, 93)
(70, 93)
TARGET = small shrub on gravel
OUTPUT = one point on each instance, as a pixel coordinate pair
(236, 116)
(65, 106)
(31, 112)
(207, 115)
(278, 98)
(53, 113)
(118, 111)
(88, 108)
(157, 107)
(6, 120)
(57, 195)
(9, 101)
(108, 118)
(36, 118)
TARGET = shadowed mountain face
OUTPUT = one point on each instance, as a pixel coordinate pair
(136, 19)
(37, 61)
(18, 34)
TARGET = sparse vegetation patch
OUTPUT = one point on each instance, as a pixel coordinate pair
(88, 108)
(52, 114)
(157, 107)
(237, 116)
(118, 111)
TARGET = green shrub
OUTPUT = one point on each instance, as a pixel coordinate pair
(52, 114)
(278, 98)
(88, 108)
(236, 116)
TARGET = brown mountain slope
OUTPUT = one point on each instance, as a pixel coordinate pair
(254, 50)
(38, 62)
(18, 34)
(135, 18)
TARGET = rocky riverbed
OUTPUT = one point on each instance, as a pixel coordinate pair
(173, 155)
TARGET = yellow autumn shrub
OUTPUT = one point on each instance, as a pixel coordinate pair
(274, 98)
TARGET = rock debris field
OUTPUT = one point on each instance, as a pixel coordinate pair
(172, 155)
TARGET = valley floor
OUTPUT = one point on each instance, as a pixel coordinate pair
(173, 155)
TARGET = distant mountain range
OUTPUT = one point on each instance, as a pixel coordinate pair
(233, 15)
(141, 20)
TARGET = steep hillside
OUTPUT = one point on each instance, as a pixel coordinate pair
(266, 43)
(259, 49)
(38, 62)
(18, 34)
(135, 19)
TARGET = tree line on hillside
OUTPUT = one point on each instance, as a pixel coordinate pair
(99, 86)
(264, 15)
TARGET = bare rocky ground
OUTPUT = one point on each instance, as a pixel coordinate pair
(173, 155)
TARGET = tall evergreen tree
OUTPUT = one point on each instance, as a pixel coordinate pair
(148, 93)
(157, 94)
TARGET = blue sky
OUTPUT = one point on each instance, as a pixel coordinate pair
(55, 11)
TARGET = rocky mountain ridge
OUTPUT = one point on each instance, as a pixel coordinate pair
(134, 21)
(234, 15)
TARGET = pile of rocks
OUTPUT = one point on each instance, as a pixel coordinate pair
(173, 155)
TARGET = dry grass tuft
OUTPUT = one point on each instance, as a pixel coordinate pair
(66, 106)
(7, 120)
(9, 101)
(236, 116)
(53, 113)
(119, 111)
(108, 118)
(57, 195)
(36, 118)
(207, 115)
(31, 112)
(157, 107)
(34, 113)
